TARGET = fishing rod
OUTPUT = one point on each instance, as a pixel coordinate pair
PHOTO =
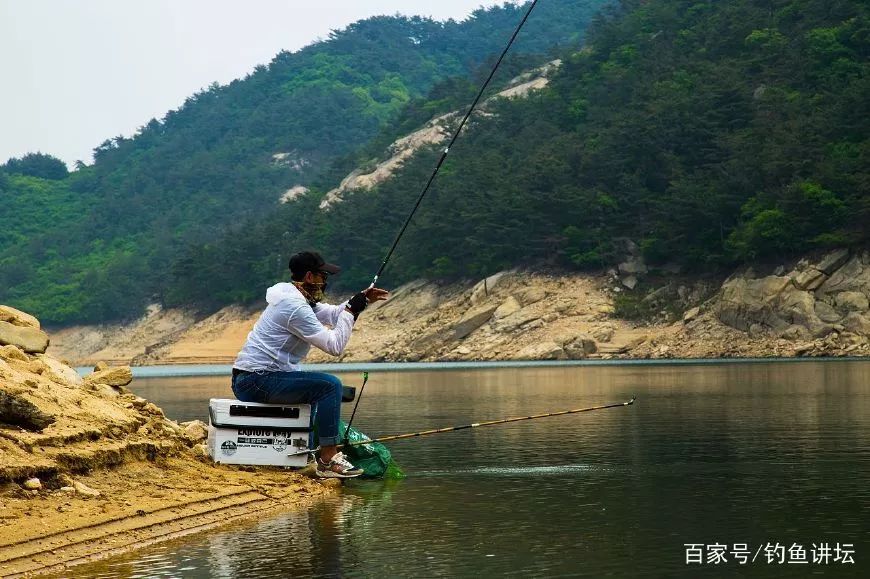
(489, 423)
(452, 140)
(441, 162)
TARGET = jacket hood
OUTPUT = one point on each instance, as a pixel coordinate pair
(280, 292)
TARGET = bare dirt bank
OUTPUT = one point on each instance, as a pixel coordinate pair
(88, 469)
(814, 307)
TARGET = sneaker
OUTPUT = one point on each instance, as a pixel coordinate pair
(338, 467)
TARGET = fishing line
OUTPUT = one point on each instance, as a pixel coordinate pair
(452, 140)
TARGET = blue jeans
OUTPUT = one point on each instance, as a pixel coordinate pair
(318, 388)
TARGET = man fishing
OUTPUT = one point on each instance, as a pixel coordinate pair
(267, 368)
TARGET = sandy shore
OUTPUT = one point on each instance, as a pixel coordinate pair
(140, 503)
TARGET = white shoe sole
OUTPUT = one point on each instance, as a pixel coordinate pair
(332, 474)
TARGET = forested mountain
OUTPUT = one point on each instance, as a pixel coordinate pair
(710, 133)
(97, 244)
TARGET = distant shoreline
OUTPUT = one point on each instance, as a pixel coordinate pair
(207, 369)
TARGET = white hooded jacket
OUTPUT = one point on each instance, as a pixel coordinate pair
(287, 329)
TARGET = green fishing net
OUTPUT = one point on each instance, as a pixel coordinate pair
(373, 457)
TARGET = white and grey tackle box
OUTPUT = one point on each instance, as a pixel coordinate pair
(259, 434)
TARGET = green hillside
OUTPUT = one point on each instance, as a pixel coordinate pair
(98, 244)
(710, 133)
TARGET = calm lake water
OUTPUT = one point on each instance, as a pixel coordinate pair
(709, 454)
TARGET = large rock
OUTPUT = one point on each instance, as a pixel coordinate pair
(744, 302)
(852, 301)
(195, 430)
(633, 265)
(10, 353)
(826, 313)
(579, 347)
(691, 314)
(809, 279)
(857, 323)
(532, 295)
(515, 320)
(833, 261)
(114, 376)
(27, 338)
(15, 409)
(18, 318)
(61, 370)
(472, 320)
(853, 276)
(507, 308)
(541, 351)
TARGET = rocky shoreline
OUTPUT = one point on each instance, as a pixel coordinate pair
(88, 469)
(816, 306)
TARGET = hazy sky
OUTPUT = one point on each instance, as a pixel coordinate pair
(76, 72)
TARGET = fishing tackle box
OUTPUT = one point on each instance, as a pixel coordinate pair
(259, 434)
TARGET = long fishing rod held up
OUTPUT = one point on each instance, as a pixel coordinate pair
(490, 423)
(452, 140)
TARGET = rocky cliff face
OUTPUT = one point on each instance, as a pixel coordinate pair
(818, 307)
(825, 301)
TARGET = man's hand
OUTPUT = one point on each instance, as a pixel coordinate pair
(375, 294)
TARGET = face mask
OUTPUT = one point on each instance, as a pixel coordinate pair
(313, 292)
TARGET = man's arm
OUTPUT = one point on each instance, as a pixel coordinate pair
(304, 323)
(328, 314)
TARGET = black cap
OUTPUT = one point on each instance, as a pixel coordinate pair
(306, 261)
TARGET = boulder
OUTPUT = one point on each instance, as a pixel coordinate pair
(100, 366)
(799, 307)
(515, 320)
(472, 320)
(857, 323)
(691, 314)
(114, 376)
(195, 430)
(18, 318)
(580, 346)
(507, 307)
(794, 333)
(852, 301)
(833, 261)
(532, 295)
(603, 334)
(541, 351)
(27, 338)
(853, 276)
(809, 279)
(32, 484)
(61, 370)
(633, 265)
(630, 281)
(85, 491)
(746, 301)
(10, 353)
(826, 313)
(17, 410)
